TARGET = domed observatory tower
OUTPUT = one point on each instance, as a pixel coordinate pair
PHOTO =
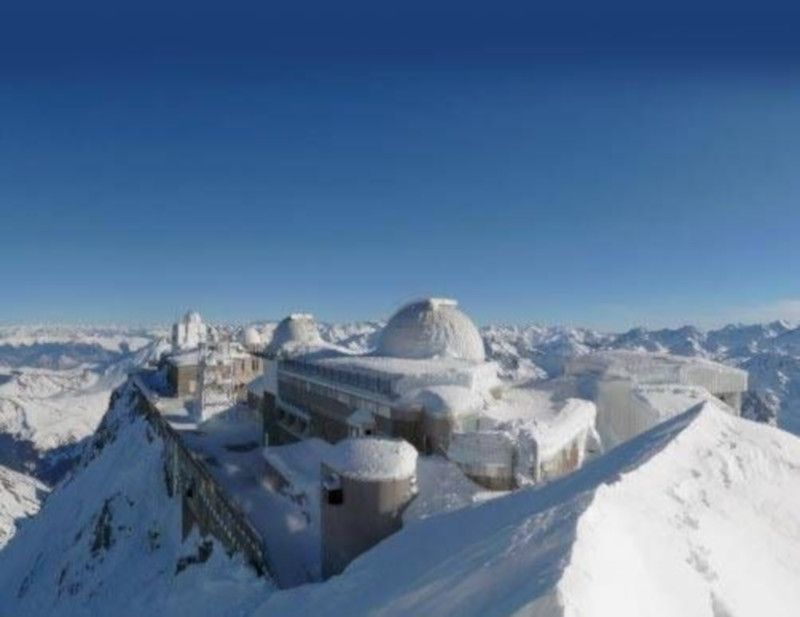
(295, 335)
(427, 377)
(252, 339)
(366, 486)
(189, 333)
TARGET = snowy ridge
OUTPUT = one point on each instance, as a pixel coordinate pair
(46, 413)
(107, 541)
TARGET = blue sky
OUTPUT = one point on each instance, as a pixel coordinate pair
(605, 169)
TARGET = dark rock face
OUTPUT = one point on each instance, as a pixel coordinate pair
(760, 407)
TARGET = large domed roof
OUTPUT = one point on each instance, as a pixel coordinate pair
(298, 329)
(431, 328)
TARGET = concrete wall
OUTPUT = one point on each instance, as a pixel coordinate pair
(182, 380)
(369, 512)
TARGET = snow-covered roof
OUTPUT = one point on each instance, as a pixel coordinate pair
(371, 459)
(553, 423)
(296, 330)
(660, 368)
(671, 400)
(446, 400)
(431, 328)
(186, 358)
(213, 355)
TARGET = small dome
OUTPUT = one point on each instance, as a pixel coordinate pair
(252, 337)
(298, 329)
(373, 459)
(431, 328)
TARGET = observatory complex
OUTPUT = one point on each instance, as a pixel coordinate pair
(301, 454)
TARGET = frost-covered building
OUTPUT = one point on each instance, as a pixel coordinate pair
(427, 378)
(189, 332)
(527, 435)
(635, 390)
(201, 371)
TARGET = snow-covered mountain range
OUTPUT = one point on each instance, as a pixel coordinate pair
(616, 538)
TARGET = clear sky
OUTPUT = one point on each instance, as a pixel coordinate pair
(593, 168)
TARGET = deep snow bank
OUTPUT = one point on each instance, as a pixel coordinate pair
(107, 541)
(699, 516)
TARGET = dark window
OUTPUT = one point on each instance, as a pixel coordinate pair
(335, 496)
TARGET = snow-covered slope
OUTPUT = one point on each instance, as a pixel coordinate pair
(20, 498)
(698, 517)
(54, 388)
(107, 541)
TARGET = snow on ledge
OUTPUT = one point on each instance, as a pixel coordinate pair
(372, 459)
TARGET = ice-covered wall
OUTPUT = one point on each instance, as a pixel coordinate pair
(634, 391)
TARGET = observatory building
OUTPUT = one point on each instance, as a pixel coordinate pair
(202, 366)
(427, 378)
(189, 332)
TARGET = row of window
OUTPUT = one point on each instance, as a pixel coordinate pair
(319, 398)
(362, 381)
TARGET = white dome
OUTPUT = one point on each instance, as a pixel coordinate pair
(373, 458)
(252, 337)
(298, 329)
(431, 328)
